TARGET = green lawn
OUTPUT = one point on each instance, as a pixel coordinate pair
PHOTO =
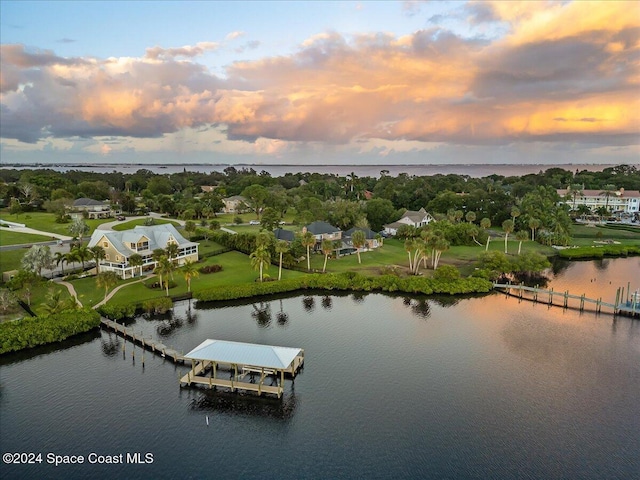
(46, 222)
(17, 238)
(10, 259)
(141, 221)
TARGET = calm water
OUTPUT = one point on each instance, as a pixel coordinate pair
(393, 387)
(474, 170)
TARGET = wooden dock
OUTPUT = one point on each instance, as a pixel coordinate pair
(145, 342)
(567, 300)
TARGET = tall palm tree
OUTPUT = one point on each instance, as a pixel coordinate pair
(408, 247)
(358, 241)
(136, 260)
(308, 241)
(470, 217)
(60, 258)
(260, 259)
(71, 256)
(521, 236)
(98, 254)
(83, 253)
(608, 192)
(172, 250)
(106, 280)
(327, 248)
(441, 245)
(165, 269)
(507, 226)
(485, 224)
(190, 271)
(575, 191)
(282, 247)
(534, 224)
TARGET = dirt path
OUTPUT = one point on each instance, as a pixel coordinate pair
(72, 291)
(115, 290)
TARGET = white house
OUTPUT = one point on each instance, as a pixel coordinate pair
(410, 217)
(119, 246)
(618, 201)
(94, 208)
(234, 204)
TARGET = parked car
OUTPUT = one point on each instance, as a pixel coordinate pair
(254, 222)
(121, 217)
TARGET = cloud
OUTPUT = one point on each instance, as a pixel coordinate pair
(65, 40)
(577, 82)
(234, 35)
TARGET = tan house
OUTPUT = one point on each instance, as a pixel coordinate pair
(119, 246)
(234, 204)
(618, 201)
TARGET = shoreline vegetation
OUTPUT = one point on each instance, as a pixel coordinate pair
(469, 253)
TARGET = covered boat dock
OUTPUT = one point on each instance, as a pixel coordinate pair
(240, 360)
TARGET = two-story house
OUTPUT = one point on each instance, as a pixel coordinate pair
(410, 217)
(143, 240)
(323, 231)
(94, 208)
(234, 204)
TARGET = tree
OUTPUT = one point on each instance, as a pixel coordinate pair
(470, 217)
(136, 260)
(82, 253)
(308, 241)
(8, 301)
(521, 235)
(575, 191)
(106, 280)
(256, 196)
(608, 192)
(507, 226)
(172, 250)
(408, 247)
(78, 228)
(164, 269)
(441, 245)
(358, 241)
(260, 259)
(380, 211)
(282, 247)
(270, 219)
(37, 258)
(15, 208)
(189, 227)
(534, 224)
(189, 271)
(98, 254)
(53, 302)
(327, 248)
(60, 258)
(485, 224)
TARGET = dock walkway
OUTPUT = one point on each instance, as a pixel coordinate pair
(552, 298)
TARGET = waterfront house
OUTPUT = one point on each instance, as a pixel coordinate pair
(414, 218)
(286, 235)
(143, 240)
(370, 239)
(618, 201)
(323, 231)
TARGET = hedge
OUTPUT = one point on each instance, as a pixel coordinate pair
(599, 252)
(33, 331)
(349, 281)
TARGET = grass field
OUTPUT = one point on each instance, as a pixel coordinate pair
(140, 221)
(46, 222)
(17, 238)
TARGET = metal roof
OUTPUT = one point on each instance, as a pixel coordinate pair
(239, 353)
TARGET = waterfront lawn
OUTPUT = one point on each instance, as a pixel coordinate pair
(141, 221)
(46, 222)
(583, 235)
(17, 238)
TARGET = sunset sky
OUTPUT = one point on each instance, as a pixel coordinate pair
(320, 82)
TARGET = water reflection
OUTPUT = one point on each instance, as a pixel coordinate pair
(327, 302)
(309, 304)
(358, 297)
(245, 404)
(282, 317)
(262, 314)
(169, 326)
(111, 345)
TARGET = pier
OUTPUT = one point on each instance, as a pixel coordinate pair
(628, 307)
(146, 343)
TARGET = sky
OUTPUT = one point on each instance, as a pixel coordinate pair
(370, 82)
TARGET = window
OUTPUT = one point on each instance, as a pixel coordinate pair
(105, 244)
(106, 256)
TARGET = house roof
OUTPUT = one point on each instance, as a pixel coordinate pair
(368, 233)
(88, 202)
(282, 234)
(394, 225)
(415, 216)
(252, 354)
(318, 228)
(599, 193)
(235, 198)
(158, 236)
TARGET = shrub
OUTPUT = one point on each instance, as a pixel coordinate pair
(116, 311)
(446, 273)
(157, 305)
(210, 268)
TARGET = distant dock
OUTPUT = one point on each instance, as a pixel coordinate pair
(629, 307)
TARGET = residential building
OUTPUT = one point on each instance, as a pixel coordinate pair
(143, 240)
(234, 204)
(414, 218)
(286, 235)
(619, 201)
(94, 208)
(323, 231)
(370, 239)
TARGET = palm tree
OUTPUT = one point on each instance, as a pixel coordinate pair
(71, 256)
(172, 250)
(358, 241)
(282, 247)
(136, 260)
(83, 254)
(485, 224)
(470, 217)
(53, 303)
(408, 247)
(308, 241)
(608, 192)
(507, 226)
(98, 254)
(575, 191)
(327, 248)
(60, 258)
(260, 259)
(190, 271)
(107, 280)
(441, 245)
(521, 235)
(165, 269)
(534, 224)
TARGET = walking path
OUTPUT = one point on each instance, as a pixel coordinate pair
(72, 291)
(115, 290)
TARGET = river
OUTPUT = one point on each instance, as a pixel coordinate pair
(393, 387)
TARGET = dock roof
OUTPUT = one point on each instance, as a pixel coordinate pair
(251, 354)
